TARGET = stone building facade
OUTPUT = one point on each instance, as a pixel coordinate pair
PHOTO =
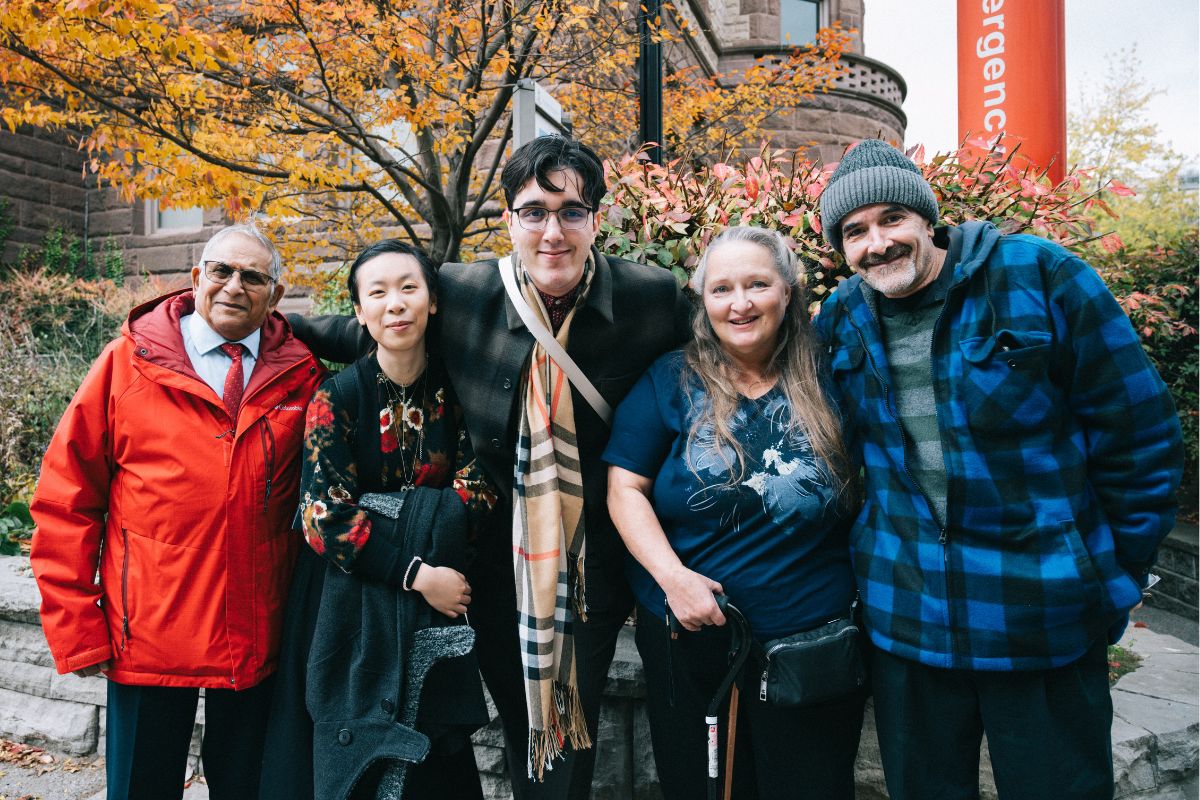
(866, 102)
(44, 186)
(44, 182)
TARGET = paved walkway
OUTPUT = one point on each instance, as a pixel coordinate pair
(1160, 621)
(1158, 705)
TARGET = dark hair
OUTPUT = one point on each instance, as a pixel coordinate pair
(428, 268)
(537, 159)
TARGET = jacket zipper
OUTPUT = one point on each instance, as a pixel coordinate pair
(124, 589)
(942, 529)
(264, 430)
(942, 533)
(887, 402)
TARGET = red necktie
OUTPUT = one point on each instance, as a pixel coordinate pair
(234, 380)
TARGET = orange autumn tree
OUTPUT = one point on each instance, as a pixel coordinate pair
(705, 117)
(335, 119)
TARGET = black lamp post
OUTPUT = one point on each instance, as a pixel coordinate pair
(650, 81)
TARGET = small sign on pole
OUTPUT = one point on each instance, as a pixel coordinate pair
(535, 113)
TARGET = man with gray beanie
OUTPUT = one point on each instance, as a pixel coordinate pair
(1021, 458)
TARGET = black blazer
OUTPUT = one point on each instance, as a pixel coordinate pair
(632, 315)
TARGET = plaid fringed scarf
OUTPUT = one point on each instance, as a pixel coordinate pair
(548, 545)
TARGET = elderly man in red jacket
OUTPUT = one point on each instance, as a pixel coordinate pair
(174, 471)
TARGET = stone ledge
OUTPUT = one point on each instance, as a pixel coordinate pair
(19, 598)
(1155, 722)
(57, 725)
(23, 642)
(45, 682)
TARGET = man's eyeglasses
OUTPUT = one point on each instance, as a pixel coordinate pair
(220, 272)
(570, 218)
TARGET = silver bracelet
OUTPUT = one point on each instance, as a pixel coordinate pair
(404, 584)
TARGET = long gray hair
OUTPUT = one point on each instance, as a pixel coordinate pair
(796, 361)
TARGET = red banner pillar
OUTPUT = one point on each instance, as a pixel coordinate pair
(1012, 78)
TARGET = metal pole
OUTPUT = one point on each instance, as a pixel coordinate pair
(650, 81)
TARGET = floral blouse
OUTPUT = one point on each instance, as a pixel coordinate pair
(421, 443)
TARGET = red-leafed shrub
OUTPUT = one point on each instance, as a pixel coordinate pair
(667, 214)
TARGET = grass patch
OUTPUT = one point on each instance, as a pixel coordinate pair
(1121, 662)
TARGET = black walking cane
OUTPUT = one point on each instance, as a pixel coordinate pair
(739, 651)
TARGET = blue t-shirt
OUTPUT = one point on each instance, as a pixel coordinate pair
(776, 541)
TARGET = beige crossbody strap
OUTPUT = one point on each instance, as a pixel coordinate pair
(551, 345)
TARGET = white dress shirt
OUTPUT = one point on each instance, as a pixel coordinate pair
(203, 346)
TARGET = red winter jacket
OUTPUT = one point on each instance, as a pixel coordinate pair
(186, 514)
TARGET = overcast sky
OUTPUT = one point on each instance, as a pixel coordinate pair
(917, 38)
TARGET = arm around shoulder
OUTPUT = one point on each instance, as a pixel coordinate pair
(333, 337)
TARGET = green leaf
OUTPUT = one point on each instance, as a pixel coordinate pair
(20, 511)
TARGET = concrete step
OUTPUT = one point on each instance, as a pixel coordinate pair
(1177, 592)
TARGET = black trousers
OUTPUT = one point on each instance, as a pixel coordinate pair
(150, 728)
(493, 614)
(1048, 731)
(784, 753)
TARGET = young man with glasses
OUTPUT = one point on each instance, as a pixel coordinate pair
(614, 318)
(174, 471)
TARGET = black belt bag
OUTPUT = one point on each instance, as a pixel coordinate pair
(814, 666)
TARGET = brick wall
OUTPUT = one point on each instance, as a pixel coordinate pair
(42, 173)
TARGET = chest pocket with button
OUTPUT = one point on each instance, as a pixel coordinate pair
(1005, 383)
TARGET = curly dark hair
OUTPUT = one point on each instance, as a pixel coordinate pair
(537, 159)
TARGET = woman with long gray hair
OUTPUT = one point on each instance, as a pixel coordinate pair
(728, 475)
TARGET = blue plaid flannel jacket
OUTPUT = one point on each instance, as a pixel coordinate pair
(1063, 454)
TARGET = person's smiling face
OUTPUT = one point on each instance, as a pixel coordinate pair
(892, 247)
(745, 300)
(553, 257)
(394, 302)
(234, 309)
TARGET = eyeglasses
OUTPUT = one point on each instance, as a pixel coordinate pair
(220, 272)
(570, 218)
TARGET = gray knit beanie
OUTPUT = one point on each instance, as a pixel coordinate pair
(873, 172)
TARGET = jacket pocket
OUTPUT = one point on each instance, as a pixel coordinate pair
(846, 359)
(172, 597)
(1044, 575)
(124, 589)
(1092, 586)
(1005, 384)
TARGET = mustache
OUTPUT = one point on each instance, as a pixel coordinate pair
(892, 253)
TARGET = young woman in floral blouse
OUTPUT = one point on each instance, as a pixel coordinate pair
(420, 438)
(396, 426)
